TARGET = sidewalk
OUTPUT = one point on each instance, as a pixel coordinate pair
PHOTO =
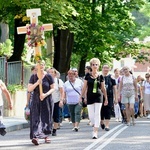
(15, 123)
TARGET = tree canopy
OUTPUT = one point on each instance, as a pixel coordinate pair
(107, 29)
(97, 28)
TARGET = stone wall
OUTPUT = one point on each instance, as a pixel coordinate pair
(19, 103)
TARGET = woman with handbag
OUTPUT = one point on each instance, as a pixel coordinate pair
(72, 88)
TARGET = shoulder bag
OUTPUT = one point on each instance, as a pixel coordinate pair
(83, 104)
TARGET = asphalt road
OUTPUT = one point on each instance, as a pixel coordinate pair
(120, 137)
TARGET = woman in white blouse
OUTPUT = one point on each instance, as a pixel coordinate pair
(72, 88)
(146, 94)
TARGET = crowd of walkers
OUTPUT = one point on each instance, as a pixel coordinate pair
(103, 95)
(100, 93)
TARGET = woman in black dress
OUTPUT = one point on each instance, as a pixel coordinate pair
(41, 110)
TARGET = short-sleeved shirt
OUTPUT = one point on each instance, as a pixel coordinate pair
(58, 83)
(118, 81)
(109, 84)
(94, 97)
(72, 96)
(128, 88)
(146, 86)
(46, 82)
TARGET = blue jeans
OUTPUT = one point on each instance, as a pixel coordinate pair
(136, 107)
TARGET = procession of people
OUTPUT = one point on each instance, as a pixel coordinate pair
(104, 94)
(120, 95)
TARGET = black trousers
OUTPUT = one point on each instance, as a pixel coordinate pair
(106, 112)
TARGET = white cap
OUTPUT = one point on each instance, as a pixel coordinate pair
(74, 69)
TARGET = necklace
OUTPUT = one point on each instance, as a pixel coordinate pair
(94, 75)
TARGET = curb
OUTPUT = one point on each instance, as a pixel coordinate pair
(17, 127)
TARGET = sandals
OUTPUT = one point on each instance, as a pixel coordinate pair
(47, 140)
(35, 141)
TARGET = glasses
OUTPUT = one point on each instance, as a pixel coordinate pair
(42, 64)
(71, 74)
(94, 64)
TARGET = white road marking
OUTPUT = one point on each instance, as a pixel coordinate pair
(102, 137)
(111, 138)
(143, 121)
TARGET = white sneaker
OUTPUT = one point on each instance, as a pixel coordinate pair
(148, 117)
(73, 129)
(94, 135)
(128, 123)
(117, 119)
(120, 119)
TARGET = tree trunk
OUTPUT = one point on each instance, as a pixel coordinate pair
(103, 8)
(63, 49)
(4, 32)
(19, 40)
(82, 66)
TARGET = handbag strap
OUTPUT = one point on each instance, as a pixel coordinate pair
(74, 88)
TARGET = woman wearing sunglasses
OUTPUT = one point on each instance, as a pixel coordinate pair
(93, 85)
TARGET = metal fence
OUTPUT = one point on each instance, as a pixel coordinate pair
(3, 69)
(26, 75)
(14, 72)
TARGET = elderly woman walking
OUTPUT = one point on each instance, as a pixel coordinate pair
(72, 89)
(146, 94)
(128, 88)
(93, 85)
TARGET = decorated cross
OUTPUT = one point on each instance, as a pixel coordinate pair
(35, 35)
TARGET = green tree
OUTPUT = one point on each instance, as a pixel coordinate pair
(58, 12)
(107, 30)
(91, 28)
(142, 18)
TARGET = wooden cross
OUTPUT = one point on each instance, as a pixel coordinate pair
(35, 33)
